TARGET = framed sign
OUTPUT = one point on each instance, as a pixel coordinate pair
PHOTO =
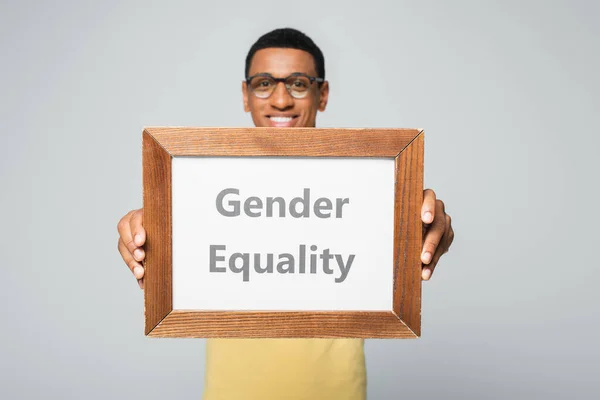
(282, 232)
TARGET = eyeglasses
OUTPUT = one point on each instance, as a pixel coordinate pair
(298, 85)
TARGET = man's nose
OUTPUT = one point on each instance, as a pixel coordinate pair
(281, 98)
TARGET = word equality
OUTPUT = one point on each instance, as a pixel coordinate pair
(287, 263)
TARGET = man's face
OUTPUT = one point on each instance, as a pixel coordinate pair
(281, 109)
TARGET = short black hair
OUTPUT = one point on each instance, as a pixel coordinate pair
(288, 38)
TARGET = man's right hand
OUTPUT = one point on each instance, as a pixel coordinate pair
(132, 237)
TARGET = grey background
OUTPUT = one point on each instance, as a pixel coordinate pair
(507, 93)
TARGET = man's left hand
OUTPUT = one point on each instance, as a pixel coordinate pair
(437, 235)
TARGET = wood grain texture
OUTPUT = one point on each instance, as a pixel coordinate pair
(212, 324)
(158, 299)
(306, 142)
(408, 236)
(405, 145)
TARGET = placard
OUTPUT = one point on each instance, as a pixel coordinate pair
(279, 232)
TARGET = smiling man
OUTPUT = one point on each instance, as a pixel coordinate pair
(295, 102)
(285, 86)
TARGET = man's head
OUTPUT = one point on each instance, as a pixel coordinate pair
(277, 55)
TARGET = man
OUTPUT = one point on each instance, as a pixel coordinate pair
(285, 86)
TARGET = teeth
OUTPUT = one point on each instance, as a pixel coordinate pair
(281, 119)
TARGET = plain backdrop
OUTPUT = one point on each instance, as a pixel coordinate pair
(508, 95)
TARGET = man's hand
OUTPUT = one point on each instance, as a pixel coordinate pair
(438, 234)
(132, 237)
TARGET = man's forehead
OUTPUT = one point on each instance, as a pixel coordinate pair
(282, 62)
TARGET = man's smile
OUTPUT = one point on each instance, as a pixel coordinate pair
(282, 120)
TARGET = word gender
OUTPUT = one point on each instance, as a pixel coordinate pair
(298, 207)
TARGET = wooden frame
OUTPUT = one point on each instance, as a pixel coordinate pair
(406, 146)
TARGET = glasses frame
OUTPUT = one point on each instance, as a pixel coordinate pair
(312, 79)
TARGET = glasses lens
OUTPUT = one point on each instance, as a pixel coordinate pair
(262, 86)
(298, 86)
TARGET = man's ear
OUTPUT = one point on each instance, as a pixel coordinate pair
(245, 96)
(324, 96)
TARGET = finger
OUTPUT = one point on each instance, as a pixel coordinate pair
(124, 229)
(137, 234)
(141, 283)
(137, 229)
(136, 268)
(428, 269)
(449, 235)
(126, 233)
(440, 251)
(434, 234)
(428, 207)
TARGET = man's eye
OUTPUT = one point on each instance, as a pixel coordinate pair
(299, 84)
(264, 83)
(261, 84)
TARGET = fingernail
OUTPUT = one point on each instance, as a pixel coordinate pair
(140, 283)
(426, 257)
(138, 239)
(426, 274)
(138, 254)
(428, 217)
(138, 271)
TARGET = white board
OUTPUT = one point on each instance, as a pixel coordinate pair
(358, 234)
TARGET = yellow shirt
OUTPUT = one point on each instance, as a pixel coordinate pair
(290, 369)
